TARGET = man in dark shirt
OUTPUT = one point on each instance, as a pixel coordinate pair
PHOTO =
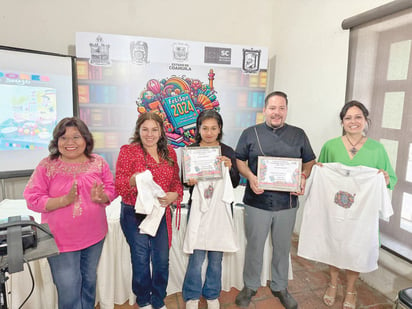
(270, 211)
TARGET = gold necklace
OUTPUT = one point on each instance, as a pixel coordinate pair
(354, 150)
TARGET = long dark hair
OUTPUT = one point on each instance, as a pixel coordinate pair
(60, 130)
(161, 143)
(208, 114)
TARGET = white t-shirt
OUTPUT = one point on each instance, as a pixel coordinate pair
(340, 224)
(211, 225)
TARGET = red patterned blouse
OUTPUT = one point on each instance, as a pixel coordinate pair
(132, 159)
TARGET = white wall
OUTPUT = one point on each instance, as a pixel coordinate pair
(51, 25)
(307, 47)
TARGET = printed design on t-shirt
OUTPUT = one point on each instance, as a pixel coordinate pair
(208, 193)
(344, 199)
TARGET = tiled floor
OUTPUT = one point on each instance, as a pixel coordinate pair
(308, 286)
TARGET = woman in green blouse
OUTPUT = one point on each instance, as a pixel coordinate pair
(353, 148)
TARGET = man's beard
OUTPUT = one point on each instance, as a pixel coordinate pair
(275, 126)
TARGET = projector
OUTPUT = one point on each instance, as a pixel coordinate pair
(28, 233)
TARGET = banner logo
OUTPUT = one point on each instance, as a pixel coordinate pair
(251, 60)
(180, 52)
(99, 52)
(218, 55)
(139, 52)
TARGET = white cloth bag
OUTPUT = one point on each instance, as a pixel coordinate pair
(147, 203)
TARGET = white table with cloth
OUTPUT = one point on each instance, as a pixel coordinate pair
(114, 270)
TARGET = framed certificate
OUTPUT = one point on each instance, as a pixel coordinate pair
(279, 174)
(201, 163)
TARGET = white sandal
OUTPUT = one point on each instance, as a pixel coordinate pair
(327, 299)
(349, 305)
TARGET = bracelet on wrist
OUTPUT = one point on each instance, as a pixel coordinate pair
(303, 175)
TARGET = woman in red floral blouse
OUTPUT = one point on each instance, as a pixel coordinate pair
(148, 150)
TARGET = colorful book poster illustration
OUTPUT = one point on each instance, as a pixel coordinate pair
(180, 111)
(179, 101)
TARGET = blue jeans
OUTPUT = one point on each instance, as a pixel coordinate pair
(74, 274)
(192, 284)
(149, 289)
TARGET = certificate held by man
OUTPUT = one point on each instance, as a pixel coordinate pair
(279, 174)
(201, 163)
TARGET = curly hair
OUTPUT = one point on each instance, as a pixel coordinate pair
(60, 130)
(161, 143)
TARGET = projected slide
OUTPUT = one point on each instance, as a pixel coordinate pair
(27, 116)
(36, 91)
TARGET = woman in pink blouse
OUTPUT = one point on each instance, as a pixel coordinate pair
(71, 188)
(148, 150)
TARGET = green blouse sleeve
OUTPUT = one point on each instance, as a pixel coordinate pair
(322, 155)
(332, 152)
(387, 166)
